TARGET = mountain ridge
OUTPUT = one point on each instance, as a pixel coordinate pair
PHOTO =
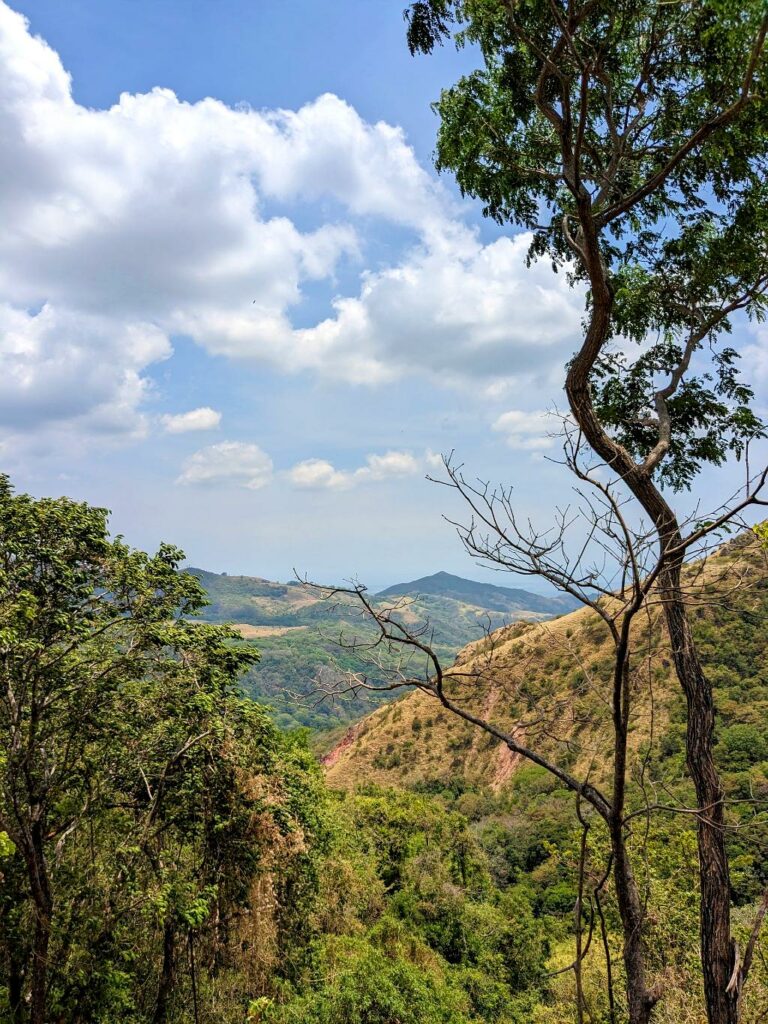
(488, 595)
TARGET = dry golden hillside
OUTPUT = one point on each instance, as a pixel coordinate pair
(550, 682)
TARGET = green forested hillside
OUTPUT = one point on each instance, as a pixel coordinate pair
(555, 675)
(526, 821)
(296, 630)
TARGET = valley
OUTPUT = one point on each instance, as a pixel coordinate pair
(296, 629)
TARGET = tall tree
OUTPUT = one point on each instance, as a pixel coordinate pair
(141, 795)
(630, 137)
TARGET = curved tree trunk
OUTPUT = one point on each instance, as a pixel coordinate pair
(716, 951)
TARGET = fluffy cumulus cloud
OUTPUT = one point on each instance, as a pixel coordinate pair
(465, 311)
(318, 473)
(246, 465)
(204, 418)
(529, 431)
(59, 365)
(231, 462)
(126, 226)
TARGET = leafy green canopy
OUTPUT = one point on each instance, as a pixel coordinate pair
(143, 798)
(662, 109)
(411, 926)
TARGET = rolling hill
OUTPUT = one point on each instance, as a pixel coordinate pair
(296, 630)
(551, 680)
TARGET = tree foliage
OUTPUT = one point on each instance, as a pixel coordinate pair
(141, 796)
(665, 111)
(184, 861)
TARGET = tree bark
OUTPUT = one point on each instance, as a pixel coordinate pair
(715, 902)
(714, 880)
(34, 856)
(167, 974)
(40, 966)
(640, 1000)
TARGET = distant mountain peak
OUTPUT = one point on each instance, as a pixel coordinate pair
(486, 595)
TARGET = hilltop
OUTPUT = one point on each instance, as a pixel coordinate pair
(510, 600)
(296, 628)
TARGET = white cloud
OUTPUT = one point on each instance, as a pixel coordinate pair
(203, 418)
(754, 361)
(231, 462)
(321, 474)
(464, 312)
(153, 218)
(390, 464)
(60, 366)
(246, 465)
(318, 473)
(529, 431)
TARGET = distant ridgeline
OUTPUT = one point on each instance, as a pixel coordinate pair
(506, 600)
(295, 630)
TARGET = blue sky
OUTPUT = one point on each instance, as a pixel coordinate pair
(238, 307)
(268, 54)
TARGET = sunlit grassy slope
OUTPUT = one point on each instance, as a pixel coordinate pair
(551, 682)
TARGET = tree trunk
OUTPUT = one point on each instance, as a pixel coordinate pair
(715, 889)
(640, 1001)
(33, 852)
(715, 901)
(167, 974)
(39, 992)
(715, 906)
